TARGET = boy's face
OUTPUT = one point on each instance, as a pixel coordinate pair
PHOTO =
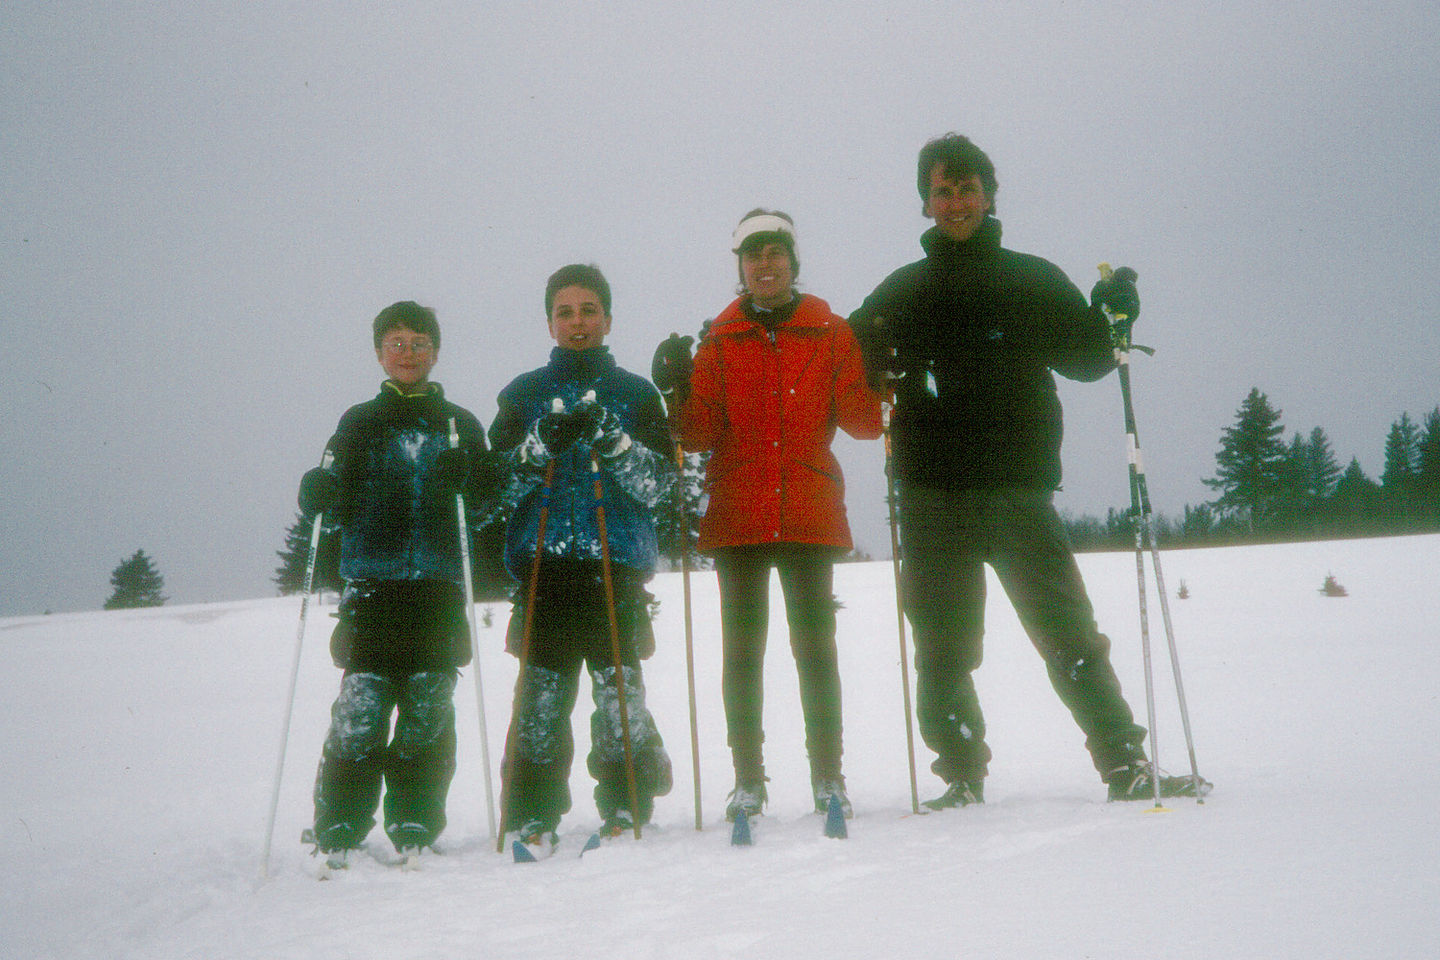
(406, 356)
(958, 207)
(578, 320)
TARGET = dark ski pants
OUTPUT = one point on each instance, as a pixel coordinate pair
(415, 766)
(571, 632)
(948, 537)
(806, 580)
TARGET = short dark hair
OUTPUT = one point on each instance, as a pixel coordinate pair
(585, 275)
(411, 316)
(959, 159)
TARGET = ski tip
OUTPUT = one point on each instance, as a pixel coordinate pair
(835, 827)
(591, 843)
(740, 832)
(521, 853)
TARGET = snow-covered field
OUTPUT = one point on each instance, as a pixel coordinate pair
(140, 747)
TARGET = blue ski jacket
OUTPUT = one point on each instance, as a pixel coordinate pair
(631, 482)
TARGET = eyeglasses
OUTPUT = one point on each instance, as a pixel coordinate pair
(421, 348)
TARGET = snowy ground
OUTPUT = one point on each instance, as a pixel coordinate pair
(140, 749)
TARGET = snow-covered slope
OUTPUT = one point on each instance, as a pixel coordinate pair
(140, 747)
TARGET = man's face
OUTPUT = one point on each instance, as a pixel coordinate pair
(578, 320)
(958, 207)
(406, 356)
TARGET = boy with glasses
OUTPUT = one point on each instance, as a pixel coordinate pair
(403, 633)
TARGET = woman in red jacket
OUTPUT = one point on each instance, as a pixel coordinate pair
(773, 377)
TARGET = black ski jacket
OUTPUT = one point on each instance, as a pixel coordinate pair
(397, 519)
(977, 330)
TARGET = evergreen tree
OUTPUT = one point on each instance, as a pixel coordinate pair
(136, 583)
(1355, 502)
(1322, 471)
(1250, 463)
(690, 486)
(1307, 477)
(290, 575)
(1291, 507)
(1402, 453)
(1427, 468)
(1399, 480)
(1198, 524)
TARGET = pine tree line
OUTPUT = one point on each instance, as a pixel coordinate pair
(1273, 490)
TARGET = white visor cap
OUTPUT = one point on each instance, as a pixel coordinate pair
(760, 223)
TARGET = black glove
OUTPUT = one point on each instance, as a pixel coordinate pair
(319, 491)
(673, 365)
(877, 349)
(600, 428)
(558, 429)
(1117, 294)
(452, 468)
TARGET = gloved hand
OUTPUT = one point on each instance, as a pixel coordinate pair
(600, 428)
(672, 366)
(452, 468)
(877, 349)
(1117, 294)
(319, 491)
(557, 429)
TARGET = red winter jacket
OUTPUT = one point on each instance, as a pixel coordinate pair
(767, 405)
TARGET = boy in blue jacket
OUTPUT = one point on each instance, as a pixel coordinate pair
(578, 412)
(403, 633)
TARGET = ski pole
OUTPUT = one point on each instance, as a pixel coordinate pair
(615, 647)
(1145, 534)
(469, 586)
(524, 655)
(885, 410)
(316, 523)
(682, 527)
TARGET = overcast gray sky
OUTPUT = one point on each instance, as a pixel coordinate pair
(203, 204)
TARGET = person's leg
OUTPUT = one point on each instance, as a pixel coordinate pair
(943, 579)
(421, 760)
(607, 755)
(606, 763)
(543, 745)
(1034, 563)
(744, 578)
(807, 580)
(352, 761)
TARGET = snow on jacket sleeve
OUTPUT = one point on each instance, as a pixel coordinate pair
(645, 470)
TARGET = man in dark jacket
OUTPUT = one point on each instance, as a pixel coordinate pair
(968, 337)
(403, 631)
(580, 421)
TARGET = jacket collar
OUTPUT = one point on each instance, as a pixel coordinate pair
(736, 319)
(581, 363)
(984, 242)
(392, 390)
